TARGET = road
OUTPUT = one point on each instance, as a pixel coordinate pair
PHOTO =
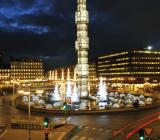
(96, 127)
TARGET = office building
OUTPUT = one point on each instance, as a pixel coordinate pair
(26, 68)
(137, 66)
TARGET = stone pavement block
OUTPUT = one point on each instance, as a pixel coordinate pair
(12, 134)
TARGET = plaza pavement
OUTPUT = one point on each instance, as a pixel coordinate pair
(61, 133)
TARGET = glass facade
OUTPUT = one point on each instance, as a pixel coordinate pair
(139, 64)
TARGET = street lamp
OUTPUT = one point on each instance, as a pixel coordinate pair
(149, 47)
(29, 108)
(65, 106)
(1, 90)
(13, 85)
(39, 91)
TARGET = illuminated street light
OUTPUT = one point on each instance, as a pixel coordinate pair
(21, 91)
(39, 91)
(149, 47)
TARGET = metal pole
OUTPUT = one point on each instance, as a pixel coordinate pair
(46, 136)
(13, 87)
(1, 90)
(29, 115)
(65, 117)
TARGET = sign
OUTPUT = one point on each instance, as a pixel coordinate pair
(148, 131)
(46, 130)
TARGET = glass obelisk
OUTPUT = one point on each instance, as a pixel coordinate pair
(82, 47)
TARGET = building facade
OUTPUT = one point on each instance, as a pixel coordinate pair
(136, 66)
(61, 73)
(4, 74)
(26, 69)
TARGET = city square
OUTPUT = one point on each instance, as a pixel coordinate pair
(79, 76)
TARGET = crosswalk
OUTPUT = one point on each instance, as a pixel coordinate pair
(82, 138)
(92, 133)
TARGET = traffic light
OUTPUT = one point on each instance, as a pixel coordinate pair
(65, 105)
(46, 122)
(141, 134)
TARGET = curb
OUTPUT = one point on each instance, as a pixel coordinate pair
(20, 106)
(68, 135)
(86, 112)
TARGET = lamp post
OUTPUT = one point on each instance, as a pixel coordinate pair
(65, 107)
(29, 108)
(1, 90)
(13, 86)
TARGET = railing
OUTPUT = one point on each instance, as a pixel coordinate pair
(34, 125)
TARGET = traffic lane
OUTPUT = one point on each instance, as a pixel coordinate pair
(110, 121)
(86, 133)
(2, 128)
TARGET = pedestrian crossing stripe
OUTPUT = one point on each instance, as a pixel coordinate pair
(108, 130)
(148, 131)
(83, 138)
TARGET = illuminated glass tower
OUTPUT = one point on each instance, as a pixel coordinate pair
(82, 47)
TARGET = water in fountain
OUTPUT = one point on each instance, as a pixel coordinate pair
(56, 76)
(75, 97)
(102, 91)
(68, 90)
(56, 95)
(75, 76)
(62, 77)
(102, 94)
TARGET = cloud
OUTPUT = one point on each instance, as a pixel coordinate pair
(13, 11)
(47, 27)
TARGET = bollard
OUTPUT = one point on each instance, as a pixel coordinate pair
(46, 136)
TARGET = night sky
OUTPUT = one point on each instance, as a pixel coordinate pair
(46, 28)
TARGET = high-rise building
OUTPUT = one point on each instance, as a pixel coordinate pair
(82, 47)
(137, 66)
(26, 68)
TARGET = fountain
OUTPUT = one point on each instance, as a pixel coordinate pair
(68, 90)
(75, 75)
(102, 95)
(55, 76)
(75, 97)
(68, 87)
(56, 95)
(62, 77)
